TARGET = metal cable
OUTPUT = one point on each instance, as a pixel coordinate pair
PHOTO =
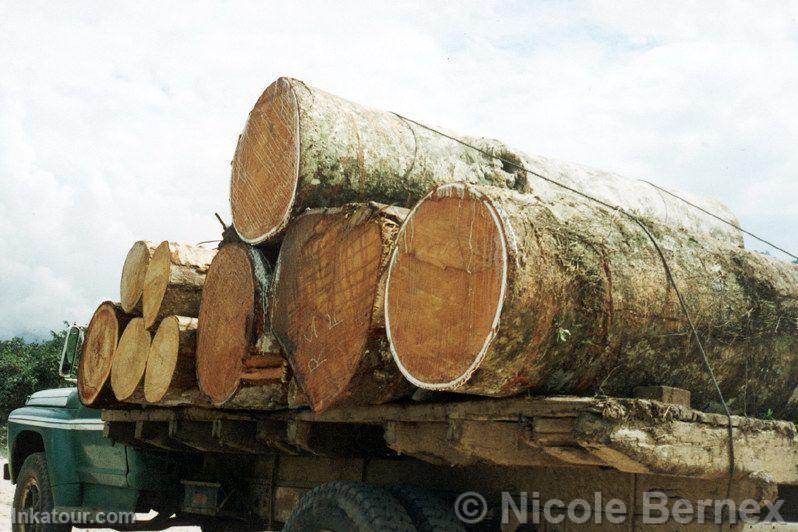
(727, 222)
(668, 272)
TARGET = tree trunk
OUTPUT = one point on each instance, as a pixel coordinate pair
(302, 147)
(173, 285)
(171, 376)
(239, 364)
(97, 355)
(130, 361)
(134, 272)
(328, 304)
(494, 292)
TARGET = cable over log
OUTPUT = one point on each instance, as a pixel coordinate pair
(302, 147)
(495, 292)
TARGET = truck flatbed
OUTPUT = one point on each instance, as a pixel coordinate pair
(637, 436)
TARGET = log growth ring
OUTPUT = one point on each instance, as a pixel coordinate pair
(130, 360)
(328, 276)
(225, 318)
(446, 286)
(98, 352)
(155, 282)
(265, 169)
(162, 359)
(134, 271)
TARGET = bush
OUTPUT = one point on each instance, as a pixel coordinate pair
(28, 367)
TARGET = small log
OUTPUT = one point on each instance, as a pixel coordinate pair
(171, 370)
(173, 284)
(302, 147)
(495, 293)
(97, 355)
(131, 286)
(239, 363)
(328, 304)
(130, 361)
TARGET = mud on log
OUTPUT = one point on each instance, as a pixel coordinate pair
(134, 271)
(302, 147)
(494, 292)
(173, 284)
(327, 310)
(171, 377)
(130, 361)
(99, 345)
(239, 363)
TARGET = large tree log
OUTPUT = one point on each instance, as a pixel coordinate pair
(327, 310)
(494, 292)
(239, 363)
(97, 355)
(302, 147)
(173, 285)
(130, 361)
(171, 376)
(134, 271)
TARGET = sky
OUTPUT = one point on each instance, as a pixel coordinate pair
(118, 120)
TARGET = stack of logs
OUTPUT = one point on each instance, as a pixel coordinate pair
(330, 292)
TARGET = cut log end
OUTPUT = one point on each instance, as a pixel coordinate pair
(130, 359)
(173, 284)
(330, 267)
(162, 359)
(446, 287)
(134, 271)
(97, 356)
(156, 281)
(266, 165)
(223, 338)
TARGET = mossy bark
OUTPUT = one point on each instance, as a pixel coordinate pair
(351, 153)
(589, 309)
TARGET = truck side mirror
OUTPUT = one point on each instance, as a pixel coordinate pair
(70, 354)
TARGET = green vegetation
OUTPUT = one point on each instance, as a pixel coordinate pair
(27, 367)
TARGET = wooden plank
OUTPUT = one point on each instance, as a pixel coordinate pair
(664, 394)
(679, 448)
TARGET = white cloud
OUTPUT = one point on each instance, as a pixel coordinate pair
(120, 124)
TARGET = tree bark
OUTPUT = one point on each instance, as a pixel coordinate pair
(134, 271)
(97, 354)
(302, 147)
(494, 292)
(239, 363)
(173, 284)
(171, 377)
(130, 362)
(327, 311)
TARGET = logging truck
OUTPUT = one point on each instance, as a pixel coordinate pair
(525, 463)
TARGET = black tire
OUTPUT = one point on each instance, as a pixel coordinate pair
(348, 507)
(428, 512)
(34, 494)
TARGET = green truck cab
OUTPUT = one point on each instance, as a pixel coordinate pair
(61, 461)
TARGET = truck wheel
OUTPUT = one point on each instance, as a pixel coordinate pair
(34, 495)
(348, 507)
(428, 513)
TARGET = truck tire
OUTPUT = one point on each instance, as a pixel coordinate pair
(348, 507)
(428, 512)
(34, 494)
